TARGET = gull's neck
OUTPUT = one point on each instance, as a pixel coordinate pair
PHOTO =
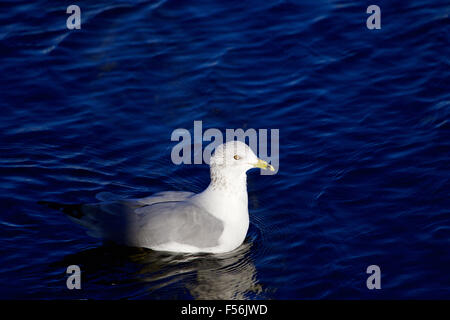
(227, 190)
(229, 183)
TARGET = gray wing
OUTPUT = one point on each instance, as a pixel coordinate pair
(136, 223)
(181, 221)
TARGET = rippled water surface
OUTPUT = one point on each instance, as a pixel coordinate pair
(364, 143)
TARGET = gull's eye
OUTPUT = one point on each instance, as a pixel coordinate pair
(236, 157)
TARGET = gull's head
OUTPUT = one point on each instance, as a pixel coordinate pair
(238, 157)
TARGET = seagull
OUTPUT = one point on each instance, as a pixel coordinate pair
(213, 221)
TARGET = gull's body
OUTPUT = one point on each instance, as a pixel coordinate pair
(215, 220)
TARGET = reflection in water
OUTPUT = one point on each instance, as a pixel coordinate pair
(159, 274)
(230, 276)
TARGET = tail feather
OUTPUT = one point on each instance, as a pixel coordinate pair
(107, 220)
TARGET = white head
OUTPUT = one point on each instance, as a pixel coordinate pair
(236, 157)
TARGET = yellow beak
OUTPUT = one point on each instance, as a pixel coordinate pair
(263, 165)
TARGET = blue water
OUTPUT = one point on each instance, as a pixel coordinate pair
(364, 143)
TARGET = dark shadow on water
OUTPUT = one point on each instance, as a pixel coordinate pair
(146, 274)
